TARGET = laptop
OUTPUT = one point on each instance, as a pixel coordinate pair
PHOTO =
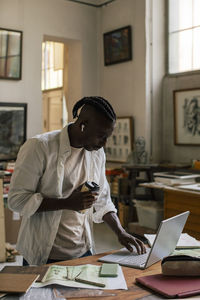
(164, 244)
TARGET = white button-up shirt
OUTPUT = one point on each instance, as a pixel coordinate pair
(38, 174)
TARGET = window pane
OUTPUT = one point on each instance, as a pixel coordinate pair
(2, 67)
(185, 51)
(196, 48)
(52, 77)
(3, 44)
(14, 43)
(180, 14)
(43, 49)
(180, 51)
(196, 12)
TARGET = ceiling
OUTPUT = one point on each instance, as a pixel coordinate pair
(95, 3)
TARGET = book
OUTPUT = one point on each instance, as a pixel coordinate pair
(87, 274)
(41, 270)
(16, 283)
(171, 286)
(176, 174)
(175, 181)
(83, 276)
(185, 241)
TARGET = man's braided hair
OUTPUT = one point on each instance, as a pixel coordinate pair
(99, 103)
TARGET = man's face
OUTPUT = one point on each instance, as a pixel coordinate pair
(97, 133)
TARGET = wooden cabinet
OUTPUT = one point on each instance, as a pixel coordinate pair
(177, 201)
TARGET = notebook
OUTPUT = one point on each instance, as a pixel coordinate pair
(16, 283)
(171, 286)
(164, 244)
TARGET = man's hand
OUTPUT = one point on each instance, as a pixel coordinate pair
(76, 201)
(81, 200)
(124, 238)
(127, 240)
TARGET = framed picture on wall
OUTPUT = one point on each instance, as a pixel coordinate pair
(10, 54)
(117, 46)
(187, 117)
(12, 129)
(120, 144)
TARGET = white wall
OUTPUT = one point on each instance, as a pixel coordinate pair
(130, 86)
(135, 87)
(124, 83)
(57, 18)
(171, 152)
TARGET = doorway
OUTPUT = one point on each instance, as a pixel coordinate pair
(53, 68)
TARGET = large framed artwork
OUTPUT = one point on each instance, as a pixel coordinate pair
(120, 144)
(10, 54)
(187, 117)
(12, 129)
(117, 46)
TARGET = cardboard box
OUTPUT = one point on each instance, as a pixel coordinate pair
(150, 214)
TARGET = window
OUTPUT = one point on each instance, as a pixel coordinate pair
(184, 36)
(52, 65)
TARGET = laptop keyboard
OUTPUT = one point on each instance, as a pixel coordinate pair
(126, 258)
(135, 259)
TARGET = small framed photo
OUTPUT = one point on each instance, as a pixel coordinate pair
(12, 129)
(117, 46)
(10, 54)
(187, 117)
(120, 144)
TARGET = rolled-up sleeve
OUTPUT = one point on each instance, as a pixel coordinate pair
(23, 196)
(104, 203)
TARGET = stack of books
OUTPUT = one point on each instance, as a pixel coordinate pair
(176, 178)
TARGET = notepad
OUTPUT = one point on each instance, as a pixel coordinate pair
(109, 270)
(16, 283)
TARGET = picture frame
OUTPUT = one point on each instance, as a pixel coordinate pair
(10, 54)
(117, 46)
(187, 117)
(13, 122)
(120, 144)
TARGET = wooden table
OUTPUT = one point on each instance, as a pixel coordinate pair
(134, 291)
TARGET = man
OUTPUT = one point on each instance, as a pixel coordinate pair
(45, 187)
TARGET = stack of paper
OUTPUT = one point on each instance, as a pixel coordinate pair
(175, 178)
(185, 241)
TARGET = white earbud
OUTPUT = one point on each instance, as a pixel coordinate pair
(82, 127)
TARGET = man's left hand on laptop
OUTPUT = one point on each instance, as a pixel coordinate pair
(129, 241)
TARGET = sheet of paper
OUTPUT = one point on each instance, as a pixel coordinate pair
(185, 241)
(59, 274)
(191, 187)
(190, 252)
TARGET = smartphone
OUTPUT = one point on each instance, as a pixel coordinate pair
(90, 186)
